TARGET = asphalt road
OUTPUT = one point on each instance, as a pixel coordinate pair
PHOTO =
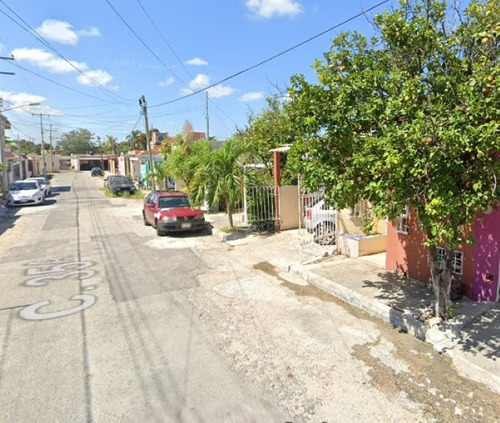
(103, 321)
(92, 325)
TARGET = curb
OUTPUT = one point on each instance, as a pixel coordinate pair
(401, 319)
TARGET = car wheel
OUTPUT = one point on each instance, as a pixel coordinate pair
(159, 232)
(324, 234)
(146, 223)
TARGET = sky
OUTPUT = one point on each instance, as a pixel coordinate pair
(89, 62)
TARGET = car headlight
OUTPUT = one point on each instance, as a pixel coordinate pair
(199, 217)
(168, 218)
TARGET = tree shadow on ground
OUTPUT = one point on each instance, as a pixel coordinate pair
(399, 292)
(482, 337)
(8, 219)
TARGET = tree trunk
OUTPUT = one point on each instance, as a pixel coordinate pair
(441, 280)
(229, 210)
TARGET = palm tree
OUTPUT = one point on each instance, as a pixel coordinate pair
(221, 177)
(111, 144)
(158, 173)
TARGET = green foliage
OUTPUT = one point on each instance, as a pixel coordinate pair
(408, 118)
(267, 130)
(137, 140)
(405, 119)
(220, 177)
(186, 158)
(78, 141)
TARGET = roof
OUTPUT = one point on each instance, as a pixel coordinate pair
(285, 148)
(171, 193)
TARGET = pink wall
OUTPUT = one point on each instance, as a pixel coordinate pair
(487, 257)
(406, 254)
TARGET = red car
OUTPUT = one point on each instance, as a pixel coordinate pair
(170, 211)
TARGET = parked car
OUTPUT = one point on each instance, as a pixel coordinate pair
(108, 179)
(44, 184)
(24, 193)
(321, 221)
(170, 211)
(96, 171)
(121, 184)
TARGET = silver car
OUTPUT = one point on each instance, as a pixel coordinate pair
(44, 184)
(25, 193)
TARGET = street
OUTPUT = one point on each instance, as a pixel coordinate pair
(103, 321)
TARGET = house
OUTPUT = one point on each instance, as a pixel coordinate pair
(476, 265)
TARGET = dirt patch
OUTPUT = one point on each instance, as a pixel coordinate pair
(431, 381)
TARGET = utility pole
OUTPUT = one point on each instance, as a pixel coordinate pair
(144, 105)
(206, 115)
(43, 147)
(7, 58)
(43, 143)
(5, 176)
(50, 150)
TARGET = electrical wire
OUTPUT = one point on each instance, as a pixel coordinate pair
(142, 41)
(40, 38)
(62, 85)
(283, 52)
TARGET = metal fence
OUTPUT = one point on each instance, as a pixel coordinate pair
(317, 227)
(260, 207)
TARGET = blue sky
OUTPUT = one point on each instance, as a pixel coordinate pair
(88, 69)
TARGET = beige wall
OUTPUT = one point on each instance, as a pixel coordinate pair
(289, 207)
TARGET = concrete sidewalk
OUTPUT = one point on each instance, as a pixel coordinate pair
(471, 337)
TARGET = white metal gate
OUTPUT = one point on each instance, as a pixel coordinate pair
(260, 207)
(317, 226)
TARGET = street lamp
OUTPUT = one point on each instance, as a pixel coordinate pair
(5, 175)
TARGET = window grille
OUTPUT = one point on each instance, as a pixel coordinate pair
(402, 222)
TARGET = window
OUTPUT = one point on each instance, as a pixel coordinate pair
(457, 262)
(402, 222)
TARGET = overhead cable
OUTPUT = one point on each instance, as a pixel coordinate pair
(272, 57)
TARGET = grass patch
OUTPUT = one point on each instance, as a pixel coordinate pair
(138, 195)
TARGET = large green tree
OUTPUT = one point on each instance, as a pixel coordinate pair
(78, 141)
(409, 118)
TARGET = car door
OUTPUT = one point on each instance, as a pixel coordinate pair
(150, 207)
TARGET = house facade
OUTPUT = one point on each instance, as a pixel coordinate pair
(476, 265)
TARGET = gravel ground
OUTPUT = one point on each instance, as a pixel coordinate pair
(324, 360)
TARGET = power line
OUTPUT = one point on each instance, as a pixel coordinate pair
(142, 42)
(62, 85)
(165, 40)
(49, 45)
(272, 57)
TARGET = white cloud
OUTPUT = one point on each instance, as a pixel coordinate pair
(93, 76)
(196, 61)
(201, 81)
(46, 60)
(18, 99)
(268, 9)
(63, 32)
(91, 32)
(251, 96)
(18, 103)
(167, 82)
(220, 91)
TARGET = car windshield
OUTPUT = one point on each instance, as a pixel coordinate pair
(23, 186)
(120, 180)
(41, 181)
(171, 202)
